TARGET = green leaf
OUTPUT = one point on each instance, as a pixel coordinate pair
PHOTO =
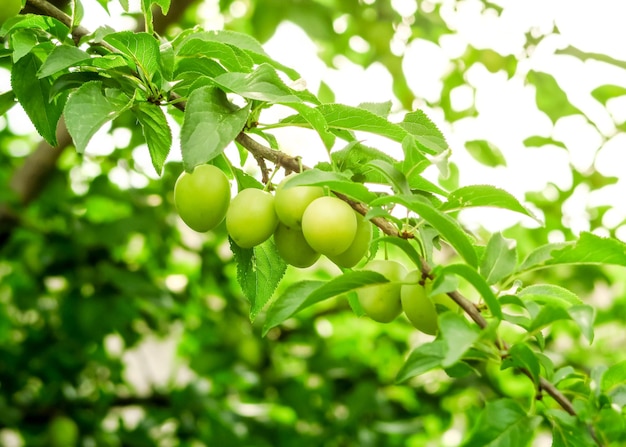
(89, 108)
(458, 335)
(72, 81)
(62, 57)
(499, 259)
(414, 161)
(584, 316)
(479, 283)
(503, 423)
(263, 84)
(245, 180)
(564, 373)
(22, 42)
(426, 133)
(484, 195)
(538, 141)
(251, 47)
(141, 48)
(38, 22)
(419, 183)
(550, 98)
(259, 270)
(377, 108)
(335, 181)
(568, 431)
(34, 96)
(615, 375)
(550, 294)
(303, 294)
(7, 100)
(394, 176)
(591, 249)
(348, 118)
(547, 315)
(232, 58)
(444, 224)
(521, 356)
(156, 131)
(354, 156)
(211, 122)
(325, 93)
(422, 359)
(288, 303)
(485, 152)
(540, 256)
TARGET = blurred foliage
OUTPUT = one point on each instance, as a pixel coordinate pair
(116, 316)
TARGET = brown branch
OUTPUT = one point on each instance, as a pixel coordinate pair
(258, 150)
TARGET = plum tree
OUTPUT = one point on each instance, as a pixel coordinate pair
(251, 218)
(293, 247)
(202, 197)
(381, 302)
(291, 202)
(329, 225)
(359, 246)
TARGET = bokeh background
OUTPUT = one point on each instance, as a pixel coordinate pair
(115, 315)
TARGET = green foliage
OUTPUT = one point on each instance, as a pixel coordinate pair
(96, 265)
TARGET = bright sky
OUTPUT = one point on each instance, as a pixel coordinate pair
(507, 114)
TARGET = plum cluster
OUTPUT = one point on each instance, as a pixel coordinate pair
(307, 223)
(304, 221)
(409, 292)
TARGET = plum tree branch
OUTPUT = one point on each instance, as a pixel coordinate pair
(292, 163)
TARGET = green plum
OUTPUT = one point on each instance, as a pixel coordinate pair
(251, 218)
(202, 197)
(359, 247)
(329, 225)
(418, 304)
(9, 8)
(381, 302)
(293, 247)
(291, 202)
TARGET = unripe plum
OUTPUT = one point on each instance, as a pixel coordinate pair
(419, 306)
(329, 225)
(359, 247)
(202, 197)
(291, 202)
(381, 302)
(9, 8)
(251, 218)
(293, 247)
